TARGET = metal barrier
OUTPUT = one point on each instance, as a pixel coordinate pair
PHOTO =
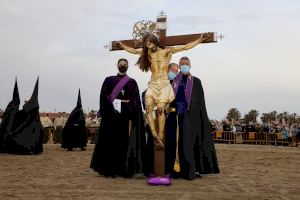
(282, 139)
(263, 138)
(229, 137)
(224, 137)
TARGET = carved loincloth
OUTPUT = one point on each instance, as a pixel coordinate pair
(160, 91)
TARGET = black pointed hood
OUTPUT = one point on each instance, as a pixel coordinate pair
(27, 133)
(35, 91)
(33, 101)
(16, 97)
(75, 133)
(79, 104)
(8, 117)
(15, 102)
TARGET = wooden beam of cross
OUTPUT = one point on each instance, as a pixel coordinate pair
(164, 39)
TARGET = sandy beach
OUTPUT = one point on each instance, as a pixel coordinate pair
(247, 172)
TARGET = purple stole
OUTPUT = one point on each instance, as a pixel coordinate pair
(117, 89)
(188, 89)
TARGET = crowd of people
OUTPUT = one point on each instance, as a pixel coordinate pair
(289, 132)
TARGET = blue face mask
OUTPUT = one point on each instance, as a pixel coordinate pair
(171, 75)
(185, 69)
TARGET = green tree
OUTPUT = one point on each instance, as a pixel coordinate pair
(270, 117)
(298, 120)
(233, 115)
(282, 117)
(292, 119)
(251, 116)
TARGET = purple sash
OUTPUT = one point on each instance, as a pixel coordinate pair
(117, 89)
(188, 88)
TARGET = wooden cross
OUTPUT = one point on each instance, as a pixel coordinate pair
(164, 39)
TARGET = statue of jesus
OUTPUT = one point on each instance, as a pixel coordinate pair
(159, 93)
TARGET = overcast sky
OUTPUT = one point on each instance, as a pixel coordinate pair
(256, 66)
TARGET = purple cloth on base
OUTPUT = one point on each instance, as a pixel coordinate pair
(165, 180)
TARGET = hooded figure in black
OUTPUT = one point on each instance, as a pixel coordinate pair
(27, 133)
(74, 134)
(196, 150)
(121, 139)
(8, 118)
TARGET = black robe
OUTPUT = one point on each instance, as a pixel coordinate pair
(8, 118)
(26, 136)
(196, 146)
(116, 153)
(74, 134)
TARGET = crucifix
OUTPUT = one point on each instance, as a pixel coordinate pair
(155, 50)
(165, 40)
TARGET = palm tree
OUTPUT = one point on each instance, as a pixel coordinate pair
(251, 116)
(233, 115)
(270, 117)
(298, 120)
(292, 119)
(283, 117)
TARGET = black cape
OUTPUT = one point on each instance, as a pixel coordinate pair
(116, 153)
(8, 118)
(27, 133)
(74, 133)
(197, 153)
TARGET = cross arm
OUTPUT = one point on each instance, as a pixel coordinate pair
(115, 45)
(189, 45)
(130, 49)
(185, 39)
(169, 41)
